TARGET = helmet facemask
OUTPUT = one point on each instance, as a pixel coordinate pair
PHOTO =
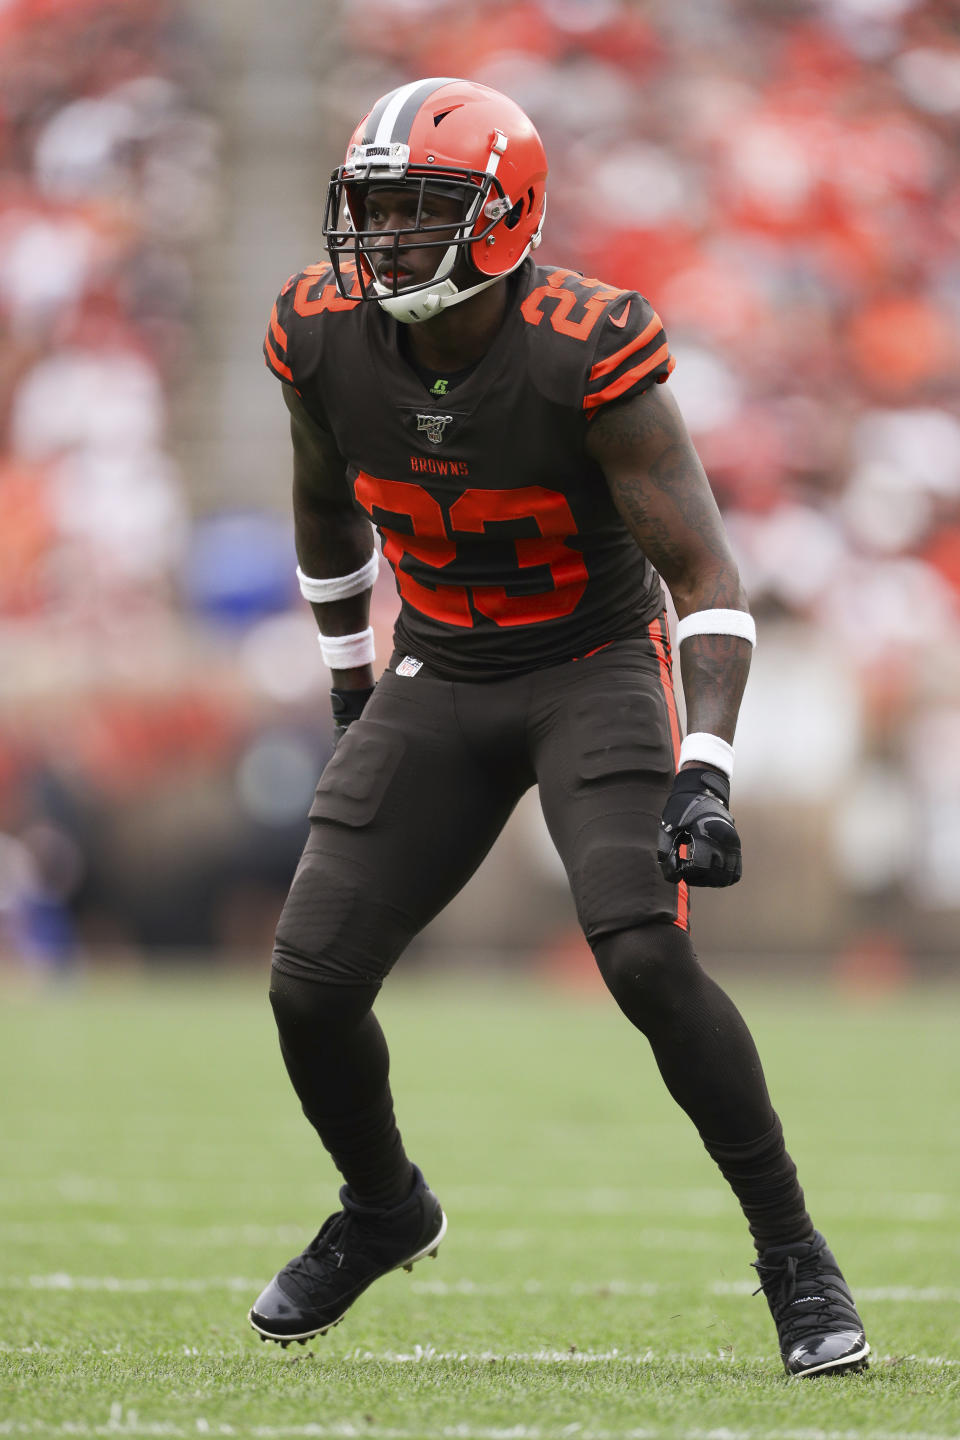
(356, 252)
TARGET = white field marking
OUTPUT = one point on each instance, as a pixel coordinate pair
(146, 1284)
(628, 1288)
(908, 1294)
(126, 1284)
(430, 1355)
(128, 1424)
(695, 1201)
(252, 1236)
(227, 1237)
(235, 1237)
(459, 1289)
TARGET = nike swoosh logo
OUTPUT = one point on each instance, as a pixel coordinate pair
(623, 316)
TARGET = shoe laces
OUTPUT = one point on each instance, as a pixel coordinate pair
(329, 1250)
(803, 1297)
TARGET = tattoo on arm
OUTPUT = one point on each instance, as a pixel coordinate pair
(659, 487)
(714, 671)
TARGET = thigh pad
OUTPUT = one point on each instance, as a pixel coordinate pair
(358, 775)
(619, 734)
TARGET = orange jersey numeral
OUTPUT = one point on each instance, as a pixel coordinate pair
(566, 300)
(433, 542)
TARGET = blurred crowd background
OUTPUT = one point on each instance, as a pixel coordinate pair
(780, 177)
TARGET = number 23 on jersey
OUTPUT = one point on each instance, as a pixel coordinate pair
(433, 542)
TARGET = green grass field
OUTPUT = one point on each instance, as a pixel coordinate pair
(595, 1280)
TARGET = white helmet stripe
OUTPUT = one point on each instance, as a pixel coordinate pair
(401, 108)
(372, 122)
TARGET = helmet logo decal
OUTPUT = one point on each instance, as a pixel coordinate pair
(434, 425)
(365, 162)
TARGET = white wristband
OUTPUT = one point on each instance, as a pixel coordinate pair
(339, 587)
(718, 622)
(346, 652)
(709, 750)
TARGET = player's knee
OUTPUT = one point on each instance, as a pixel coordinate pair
(332, 927)
(316, 1006)
(650, 970)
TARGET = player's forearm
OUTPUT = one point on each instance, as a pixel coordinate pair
(713, 667)
(342, 617)
(331, 538)
(714, 670)
(347, 617)
(659, 487)
(332, 543)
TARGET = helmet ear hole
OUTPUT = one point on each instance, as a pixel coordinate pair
(515, 216)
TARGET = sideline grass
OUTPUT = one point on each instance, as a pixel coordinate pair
(595, 1281)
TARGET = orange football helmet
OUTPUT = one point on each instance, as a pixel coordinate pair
(453, 137)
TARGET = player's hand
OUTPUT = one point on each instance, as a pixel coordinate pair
(347, 706)
(697, 817)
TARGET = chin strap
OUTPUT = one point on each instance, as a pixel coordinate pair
(423, 304)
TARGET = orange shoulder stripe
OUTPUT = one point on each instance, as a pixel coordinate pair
(275, 363)
(279, 334)
(604, 367)
(590, 402)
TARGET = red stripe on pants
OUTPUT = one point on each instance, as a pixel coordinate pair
(658, 632)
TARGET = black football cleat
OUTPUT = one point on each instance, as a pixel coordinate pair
(817, 1323)
(353, 1248)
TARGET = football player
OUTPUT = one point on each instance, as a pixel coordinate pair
(507, 430)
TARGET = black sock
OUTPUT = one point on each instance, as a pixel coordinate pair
(764, 1180)
(710, 1065)
(338, 1062)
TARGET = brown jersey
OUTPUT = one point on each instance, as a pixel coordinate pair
(508, 551)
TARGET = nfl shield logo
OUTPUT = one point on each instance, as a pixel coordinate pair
(434, 425)
(409, 666)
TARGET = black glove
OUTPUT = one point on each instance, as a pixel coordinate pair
(347, 706)
(696, 815)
